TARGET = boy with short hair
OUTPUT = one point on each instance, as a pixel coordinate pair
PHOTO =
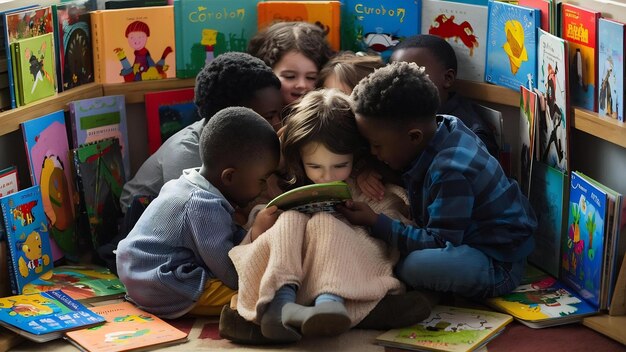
(175, 260)
(474, 228)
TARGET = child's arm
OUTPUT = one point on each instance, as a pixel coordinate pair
(263, 221)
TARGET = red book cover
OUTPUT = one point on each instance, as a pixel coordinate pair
(580, 29)
(544, 7)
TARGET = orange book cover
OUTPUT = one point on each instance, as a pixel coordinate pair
(127, 328)
(325, 14)
(133, 44)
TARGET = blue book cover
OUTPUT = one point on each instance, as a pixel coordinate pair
(611, 69)
(206, 29)
(582, 247)
(463, 27)
(27, 233)
(378, 25)
(47, 151)
(511, 45)
(45, 316)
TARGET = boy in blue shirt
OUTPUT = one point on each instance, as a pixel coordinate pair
(175, 259)
(473, 226)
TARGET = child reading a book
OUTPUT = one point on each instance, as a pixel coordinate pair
(473, 226)
(320, 260)
(175, 260)
(296, 51)
(346, 69)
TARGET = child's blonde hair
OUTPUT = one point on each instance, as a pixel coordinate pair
(323, 116)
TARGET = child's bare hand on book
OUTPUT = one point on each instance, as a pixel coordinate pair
(370, 183)
(264, 220)
(358, 213)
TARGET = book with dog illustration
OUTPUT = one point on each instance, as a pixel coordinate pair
(313, 198)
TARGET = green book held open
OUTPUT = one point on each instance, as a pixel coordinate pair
(313, 198)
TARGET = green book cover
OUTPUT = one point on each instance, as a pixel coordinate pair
(35, 68)
(313, 198)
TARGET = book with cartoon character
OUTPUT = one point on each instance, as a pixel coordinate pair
(451, 329)
(127, 328)
(463, 27)
(45, 316)
(206, 29)
(133, 44)
(27, 231)
(375, 25)
(611, 51)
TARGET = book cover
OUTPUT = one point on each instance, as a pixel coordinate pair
(378, 25)
(72, 34)
(99, 118)
(325, 14)
(100, 176)
(127, 328)
(512, 46)
(167, 112)
(554, 116)
(9, 182)
(35, 68)
(463, 27)
(206, 29)
(86, 283)
(124, 4)
(580, 29)
(611, 69)
(448, 329)
(548, 199)
(524, 148)
(47, 150)
(543, 303)
(313, 198)
(133, 44)
(27, 233)
(582, 249)
(542, 5)
(45, 316)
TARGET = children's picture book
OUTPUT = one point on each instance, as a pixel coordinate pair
(313, 198)
(9, 182)
(545, 6)
(34, 67)
(100, 176)
(100, 118)
(525, 145)
(511, 45)
(580, 29)
(72, 34)
(167, 112)
(582, 250)
(47, 150)
(206, 29)
(86, 283)
(554, 115)
(463, 27)
(127, 328)
(133, 44)
(374, 25)
(324, 14)
(45, 316)
(548, 197)
(27, 233)
(611, 51)
(543, 303)
(448, 329)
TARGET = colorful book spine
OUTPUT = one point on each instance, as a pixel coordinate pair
(611, 51)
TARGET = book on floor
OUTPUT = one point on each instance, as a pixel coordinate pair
(448, 328)
(127, 328)
(45, 316)
(313, 198)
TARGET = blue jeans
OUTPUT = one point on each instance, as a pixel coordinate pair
(463, 269)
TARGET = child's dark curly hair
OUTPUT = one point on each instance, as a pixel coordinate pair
(273, 42)
(398, 92)
(437, 46)
(230, 80)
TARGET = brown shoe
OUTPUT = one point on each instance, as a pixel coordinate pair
(238, 330)
(398, 311)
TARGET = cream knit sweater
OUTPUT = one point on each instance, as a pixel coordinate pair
(320, 254)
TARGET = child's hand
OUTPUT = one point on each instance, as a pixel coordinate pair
(264, 220)
(369, 181)
(358, 213)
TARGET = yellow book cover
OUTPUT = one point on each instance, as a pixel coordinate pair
(133, 44)
(325, 14)
(127, 328)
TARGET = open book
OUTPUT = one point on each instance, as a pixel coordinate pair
(313, 198)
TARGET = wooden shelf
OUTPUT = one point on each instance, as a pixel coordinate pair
(487, 92)
(10, 120)
(134, 91)
(609, 325)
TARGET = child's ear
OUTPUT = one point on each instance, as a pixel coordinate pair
(448, 78)
(228, 176)
(416, 135)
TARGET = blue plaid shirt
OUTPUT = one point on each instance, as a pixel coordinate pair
(458, 193)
